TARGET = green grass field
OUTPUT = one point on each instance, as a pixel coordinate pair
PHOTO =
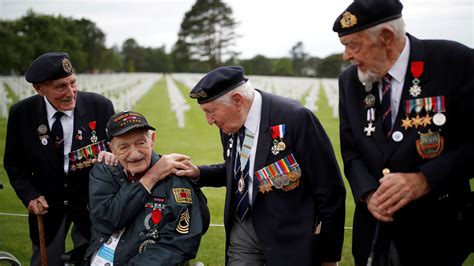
(198, 140)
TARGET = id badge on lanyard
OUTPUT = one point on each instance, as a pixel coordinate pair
(105, 254)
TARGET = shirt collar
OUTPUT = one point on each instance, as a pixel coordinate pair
(398, 70)
(50, 110)
(253, 117)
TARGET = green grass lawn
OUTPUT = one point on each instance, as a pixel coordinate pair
(198, 140)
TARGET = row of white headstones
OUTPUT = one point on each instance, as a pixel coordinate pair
(125, 89)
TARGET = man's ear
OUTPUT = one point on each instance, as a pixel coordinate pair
(237, 99)
(110, 145)
(153, 138)
(387, 35)
(38, 88)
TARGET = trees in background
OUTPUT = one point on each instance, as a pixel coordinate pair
(205, 41)
(207, 33)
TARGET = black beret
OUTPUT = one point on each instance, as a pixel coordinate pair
(125, 121)
(363, 14)
(49, 66)
(218, 82)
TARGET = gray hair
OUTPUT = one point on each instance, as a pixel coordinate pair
(397, 25)
(245, 89)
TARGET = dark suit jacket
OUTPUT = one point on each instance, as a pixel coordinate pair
(34, 169)
(285, 221)
(423, 225)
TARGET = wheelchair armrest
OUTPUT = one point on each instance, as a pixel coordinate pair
(7, 257)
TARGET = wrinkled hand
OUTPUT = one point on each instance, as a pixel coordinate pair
(167, 165)
(373, 203)
(107, 157)
(192, 171)
(397, 190)
(34, 208)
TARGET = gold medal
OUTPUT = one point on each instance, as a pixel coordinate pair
(292, 177)
(281, 146)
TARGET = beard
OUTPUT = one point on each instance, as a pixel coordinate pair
(368, 77)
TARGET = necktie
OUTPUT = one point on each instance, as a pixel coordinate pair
(386, 106)
(241, 175)
(57, 134)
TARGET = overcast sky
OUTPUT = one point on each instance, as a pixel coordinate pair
(267, 27)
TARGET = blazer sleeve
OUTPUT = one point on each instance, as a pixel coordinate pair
(16, 164)
(316, 157)
(355, 169)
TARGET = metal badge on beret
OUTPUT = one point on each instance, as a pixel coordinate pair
(67, 66)
(199, 94)
(348, 20)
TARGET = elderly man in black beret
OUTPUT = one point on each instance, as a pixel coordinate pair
(53, 139)
(404, 107)
(285, 196)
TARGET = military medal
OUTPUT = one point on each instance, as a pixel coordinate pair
(439, 118)
(278, 133)
(416, 70)
(244, 153)
(369, 101)
(241, 185)
(79, 135)
(92, 126)
(231, 142)
(283, 174)
(397, 136)
(369, 129)
(42, 129)
(144, 244)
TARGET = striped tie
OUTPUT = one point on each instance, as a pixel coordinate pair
(241, 177)
(386, 106)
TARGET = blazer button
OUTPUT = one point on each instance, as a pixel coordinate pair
(66, 184)
(66, 202)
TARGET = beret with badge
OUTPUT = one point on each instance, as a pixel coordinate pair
(124, 122)
(218, 82)
(363, 14)
(49, 66)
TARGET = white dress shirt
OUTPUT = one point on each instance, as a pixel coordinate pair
(67, 121)
(397, 71)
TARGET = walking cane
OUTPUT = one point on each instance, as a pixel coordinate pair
(385, 171)
(44, 256)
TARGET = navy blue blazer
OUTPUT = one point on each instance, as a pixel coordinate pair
(34, 169)
(427, 225)
(285, 221)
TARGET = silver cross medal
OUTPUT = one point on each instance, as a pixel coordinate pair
(369, 129)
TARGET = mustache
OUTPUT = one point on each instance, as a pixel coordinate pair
(131, 160)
